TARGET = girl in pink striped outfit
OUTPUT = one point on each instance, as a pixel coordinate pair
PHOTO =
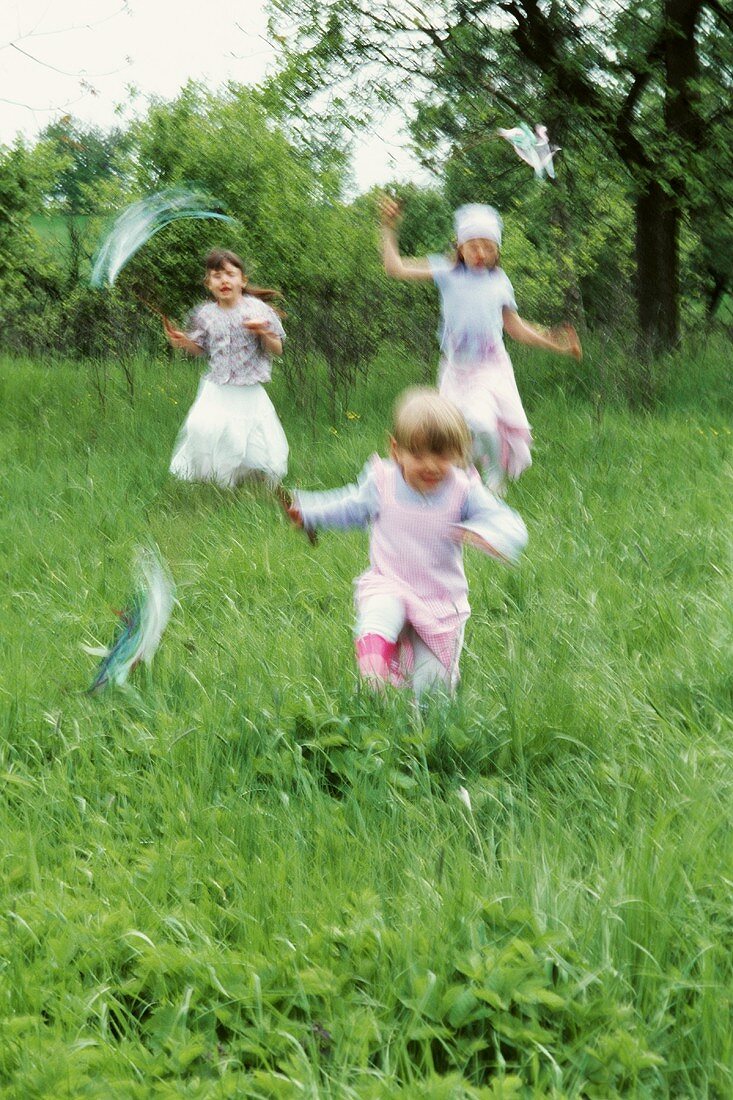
(422, 504)
(478, 306)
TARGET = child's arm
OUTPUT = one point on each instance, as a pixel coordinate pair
(353, 506)
(563, 340)
(490, 525)
(397, 266)
(178, 339)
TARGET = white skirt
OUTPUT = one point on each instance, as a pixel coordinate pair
(487, 395)
(229, 432)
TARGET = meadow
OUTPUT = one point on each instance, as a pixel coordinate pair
(246, 878)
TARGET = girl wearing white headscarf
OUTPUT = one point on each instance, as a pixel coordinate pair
(478, 306)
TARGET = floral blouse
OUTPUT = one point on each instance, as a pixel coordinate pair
(236, 356)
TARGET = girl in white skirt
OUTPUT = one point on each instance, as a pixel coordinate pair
(232, 428)
(478, 306)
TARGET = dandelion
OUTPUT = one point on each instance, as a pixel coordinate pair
(352, 416)
(333, 431)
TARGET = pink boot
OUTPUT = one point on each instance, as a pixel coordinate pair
(375, 657)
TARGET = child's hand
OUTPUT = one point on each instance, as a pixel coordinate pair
(175, 337)
(259, 328)
(389, 211)
(293, 513)
(566, 341)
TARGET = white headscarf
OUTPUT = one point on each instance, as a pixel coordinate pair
(475, 220)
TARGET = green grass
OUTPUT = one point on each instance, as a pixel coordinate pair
(248, 879)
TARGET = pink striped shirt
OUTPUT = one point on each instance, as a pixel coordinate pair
(414, 557)
(416, 543)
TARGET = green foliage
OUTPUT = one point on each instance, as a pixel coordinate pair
(427, 218)
(246, 878)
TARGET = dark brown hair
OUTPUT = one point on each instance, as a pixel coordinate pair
(216, 260)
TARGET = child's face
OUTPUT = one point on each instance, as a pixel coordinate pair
(424, 471)
(480, 252)
(226, 283)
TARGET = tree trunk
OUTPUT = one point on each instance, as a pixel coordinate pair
(657, 262)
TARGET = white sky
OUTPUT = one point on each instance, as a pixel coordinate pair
(81, 57)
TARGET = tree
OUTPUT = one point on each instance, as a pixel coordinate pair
(88, 156)
(645, 84)
(25, 174)
(88, 159)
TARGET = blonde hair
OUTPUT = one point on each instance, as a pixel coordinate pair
(425, 421)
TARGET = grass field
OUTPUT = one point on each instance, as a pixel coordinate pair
(247, 879)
